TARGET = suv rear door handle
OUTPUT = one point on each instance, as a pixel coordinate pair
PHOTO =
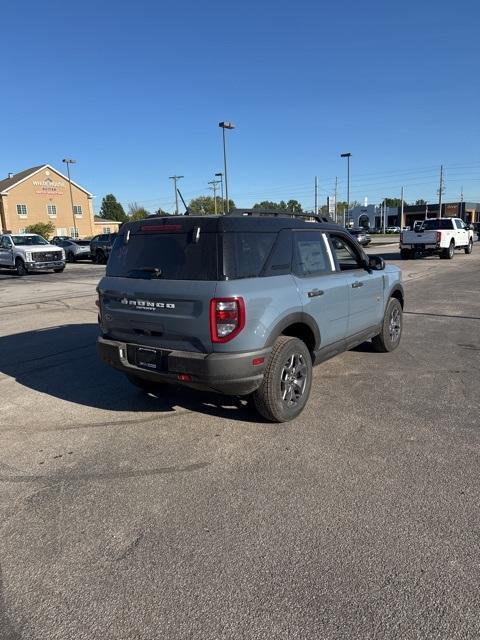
(315, 292)
(357, 284)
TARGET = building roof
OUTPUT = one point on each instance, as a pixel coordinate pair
(18, 177)
(101, 220)
(8, 183)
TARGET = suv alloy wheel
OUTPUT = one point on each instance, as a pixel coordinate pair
(286, 382)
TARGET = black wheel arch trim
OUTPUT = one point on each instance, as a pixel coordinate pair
(298, 317)
(397, 288)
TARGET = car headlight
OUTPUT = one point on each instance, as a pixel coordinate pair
(28, 256)
(63, 254)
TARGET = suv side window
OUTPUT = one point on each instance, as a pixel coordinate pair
(310, 254)
(459, 224)
(345, 253)
(6, 243)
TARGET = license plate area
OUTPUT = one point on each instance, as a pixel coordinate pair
(148, 358)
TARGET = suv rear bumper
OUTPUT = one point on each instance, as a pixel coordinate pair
(227, 373)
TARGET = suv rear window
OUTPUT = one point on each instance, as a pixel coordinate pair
(245, 254)
(172, 256)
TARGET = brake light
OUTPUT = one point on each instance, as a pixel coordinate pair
(227, 318)
(164, 228)
(439, 236)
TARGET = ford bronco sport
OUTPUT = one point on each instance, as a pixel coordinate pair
(242, 304)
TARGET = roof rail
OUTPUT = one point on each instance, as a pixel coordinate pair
(280, 213)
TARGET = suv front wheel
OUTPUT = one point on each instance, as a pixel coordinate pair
(389, 337)
(287, 380)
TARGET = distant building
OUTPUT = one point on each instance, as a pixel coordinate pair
(105, 226)
(371, 215)
(41, 194)
(467, 211)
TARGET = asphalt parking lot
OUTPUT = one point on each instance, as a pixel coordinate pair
(125, 516)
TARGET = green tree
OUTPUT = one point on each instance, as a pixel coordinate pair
(394, 202)
(420, 202)
(269, 205)
(161, 212)
(205, 205)
(111, 209)
(135, 212)
(44, 229)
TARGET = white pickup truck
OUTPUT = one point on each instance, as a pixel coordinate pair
(439, 236)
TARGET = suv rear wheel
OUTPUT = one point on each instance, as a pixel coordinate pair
(469, 247)
(405, 254)
(287, 380)
(389, 337)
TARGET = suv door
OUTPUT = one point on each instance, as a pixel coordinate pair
(323, 291)
(365, 288)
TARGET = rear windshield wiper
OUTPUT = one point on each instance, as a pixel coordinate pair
(155, 271)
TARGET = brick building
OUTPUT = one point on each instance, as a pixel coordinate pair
(41, 194)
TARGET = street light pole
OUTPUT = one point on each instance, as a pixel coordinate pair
(226, 125)
(220, 175)
(68, 162)
(175, 178)
(347, 156)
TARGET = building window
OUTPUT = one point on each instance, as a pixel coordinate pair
(77, 210)
(22, 210)
(62, 231)
(52, 210)
(106, 230)
(22, 230)
(74, 232)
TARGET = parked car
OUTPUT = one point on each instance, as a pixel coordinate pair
(393, 229)
(100, 247)
(243, 304)
(26, 252)
(361, 235)
(440, 236)
(55, 239)
(74, 249)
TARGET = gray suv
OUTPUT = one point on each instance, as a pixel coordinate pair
(242, 304)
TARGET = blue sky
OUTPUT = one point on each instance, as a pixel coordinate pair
(134, 92)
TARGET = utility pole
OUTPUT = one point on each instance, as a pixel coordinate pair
(214, 187)
(336, 186)
(175, 178)
(440, 192)
(316, 195)
(461, 205)
(225, 125)
(401, 210)
(384, 215)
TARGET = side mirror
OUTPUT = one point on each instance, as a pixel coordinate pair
(376, 263)
(468, 227)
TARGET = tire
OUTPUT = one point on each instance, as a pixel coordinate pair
(389, 337)
(405, 254)
(59, 270)
(145, 385)
(20, 267)
(287, 381)
(450, 252)
(469, 247)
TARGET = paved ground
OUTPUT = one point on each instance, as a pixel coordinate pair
(124, 516)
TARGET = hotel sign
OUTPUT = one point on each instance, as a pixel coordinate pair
(49, 187)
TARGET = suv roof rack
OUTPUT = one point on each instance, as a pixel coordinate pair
(280, 213)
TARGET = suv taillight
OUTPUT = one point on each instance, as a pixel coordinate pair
(439, 236)
(227, 318)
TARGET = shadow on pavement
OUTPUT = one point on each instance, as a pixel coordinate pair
(62, 362)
